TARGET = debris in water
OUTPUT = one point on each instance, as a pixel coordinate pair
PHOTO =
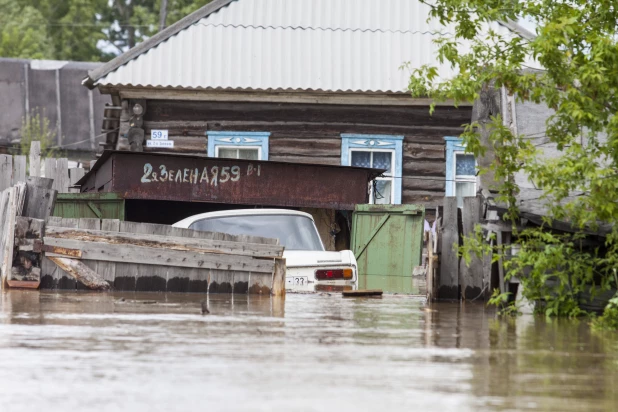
(205, 310)
(362, 292)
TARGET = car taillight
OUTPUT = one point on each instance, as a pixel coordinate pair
(331, 274)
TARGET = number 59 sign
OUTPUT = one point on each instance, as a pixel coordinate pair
(158, 134)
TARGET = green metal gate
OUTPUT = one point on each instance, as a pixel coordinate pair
(94, 205)
(387, 241)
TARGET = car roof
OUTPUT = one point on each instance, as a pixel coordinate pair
(242, 212)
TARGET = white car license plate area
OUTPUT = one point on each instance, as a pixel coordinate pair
(297, 280)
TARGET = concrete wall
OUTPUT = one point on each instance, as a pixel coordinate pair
(54, 87)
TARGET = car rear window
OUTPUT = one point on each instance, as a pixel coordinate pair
(293, 231)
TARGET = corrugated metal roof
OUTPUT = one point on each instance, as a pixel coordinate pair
(325, 45)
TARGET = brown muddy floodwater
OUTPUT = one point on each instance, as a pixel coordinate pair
(74, 352)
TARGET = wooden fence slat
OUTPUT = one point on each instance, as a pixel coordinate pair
(448, 286)
(6, 171)
(19, 169)
(35, 159)
(50, 166)
(62, 175)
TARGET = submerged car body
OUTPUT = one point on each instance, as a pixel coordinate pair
(308, 266)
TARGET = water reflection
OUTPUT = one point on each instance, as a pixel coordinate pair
(148, 352)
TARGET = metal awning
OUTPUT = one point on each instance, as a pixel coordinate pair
(192, 178)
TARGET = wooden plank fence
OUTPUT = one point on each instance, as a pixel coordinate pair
(13, 170)
(159, 258)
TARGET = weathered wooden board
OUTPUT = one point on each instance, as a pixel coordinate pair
(19, 169)
(472, 274)
(159, 256)
(140, 236)
(91, 224)
(83, 274)
(448, 285)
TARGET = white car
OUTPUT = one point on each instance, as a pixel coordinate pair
(309, 266)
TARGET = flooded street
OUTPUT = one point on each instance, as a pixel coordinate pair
(313, 352)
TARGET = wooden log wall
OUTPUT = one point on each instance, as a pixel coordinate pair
(311, 133)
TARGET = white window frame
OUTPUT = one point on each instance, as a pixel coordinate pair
(454, 147)
(387, 177)
(258, 148)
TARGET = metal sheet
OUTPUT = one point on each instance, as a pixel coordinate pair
(322, 45)
(202, 179)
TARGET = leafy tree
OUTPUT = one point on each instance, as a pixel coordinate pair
(22, 32)
(82, 30)
(576, 45)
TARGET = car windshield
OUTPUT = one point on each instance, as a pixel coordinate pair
(293, 231)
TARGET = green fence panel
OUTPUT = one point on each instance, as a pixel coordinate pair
(93, 205)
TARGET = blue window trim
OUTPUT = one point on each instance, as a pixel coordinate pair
(377, 142)
(238, 139)
(453, 144)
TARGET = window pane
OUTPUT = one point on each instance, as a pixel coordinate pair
(465, 165)
(248, 154)
(464, 189)
(383, 160)
(361, 159)
(382, 195)
(228, 153)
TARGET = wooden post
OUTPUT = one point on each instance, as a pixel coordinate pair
(278, 288)
(471, 275)
(448, 285)
(35, 158)
(26, 268)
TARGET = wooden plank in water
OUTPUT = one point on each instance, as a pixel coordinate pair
(92, 224)
(82, 273)
(362, 292)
